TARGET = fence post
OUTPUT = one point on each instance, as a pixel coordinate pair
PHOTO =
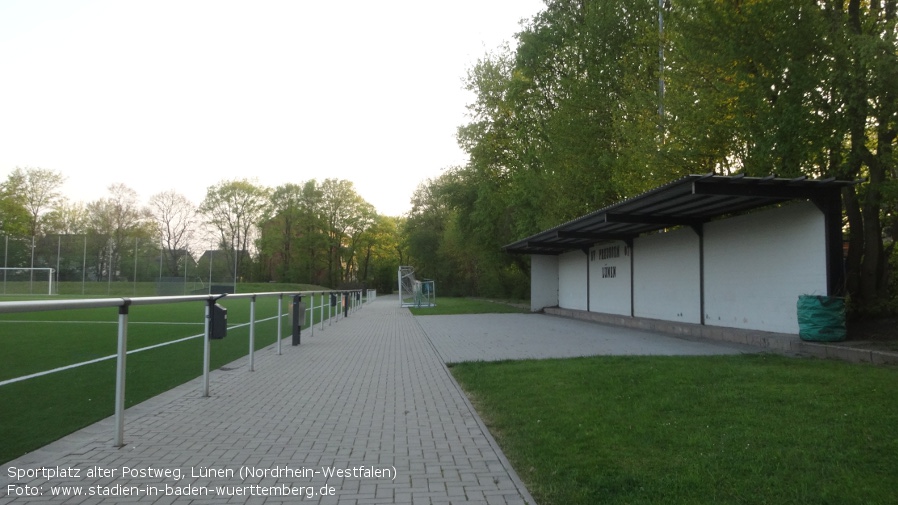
(280, 318)
(322, 311)
(206, 348)
(295, 322)
(120, 373)
(312, 315)
(252, 333)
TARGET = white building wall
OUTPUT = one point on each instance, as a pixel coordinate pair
(756, 266)
(609, 278)
(667, 276)
(543, 282)
(572, 280)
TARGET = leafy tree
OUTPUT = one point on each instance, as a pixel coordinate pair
(176, 221)
(566, 124)
(40, 191)
(379, 254)
(597, 103)
(424, 229)
(69, 221)
(865, 72)
(279, 231)
(346, 216)
(234, 209)
(358, 239)
(293, 236)
(313, 237)
(114, 226)
(14, 216)
(66, 218)
(324, 234)
(794, 88)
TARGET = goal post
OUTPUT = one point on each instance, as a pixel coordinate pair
(28, 281)
(415, 293)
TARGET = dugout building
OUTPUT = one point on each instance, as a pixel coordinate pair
(706, 250)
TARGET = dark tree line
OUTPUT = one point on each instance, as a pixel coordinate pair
(312, 232)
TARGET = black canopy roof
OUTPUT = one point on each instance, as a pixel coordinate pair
(690, 201)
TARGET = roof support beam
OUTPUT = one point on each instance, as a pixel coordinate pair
(780, 192)
(645, 219)
(552, 245)
(578, 235)
(831, 206)
(585, 235)
(534, 252)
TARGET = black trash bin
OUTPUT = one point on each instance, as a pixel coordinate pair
(299, 318)
(218, 321)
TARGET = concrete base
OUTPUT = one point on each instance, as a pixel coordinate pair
(778, 342)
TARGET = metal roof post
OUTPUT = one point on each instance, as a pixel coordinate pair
(629, 243)
(699, 230)
(586, 252)
(830, 203)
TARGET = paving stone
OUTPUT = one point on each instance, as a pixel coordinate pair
(494, 337)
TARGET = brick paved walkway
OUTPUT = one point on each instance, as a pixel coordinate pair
(492, 337)
(368, 396)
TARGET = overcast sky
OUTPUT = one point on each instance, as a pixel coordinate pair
(184, 94)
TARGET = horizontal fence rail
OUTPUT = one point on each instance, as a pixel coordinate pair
(337, 302)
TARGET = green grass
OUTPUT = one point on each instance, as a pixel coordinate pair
(733, 429)
(452, 306)
(42, 409)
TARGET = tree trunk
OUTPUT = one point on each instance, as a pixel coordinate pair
(855, 240)
(871, 287)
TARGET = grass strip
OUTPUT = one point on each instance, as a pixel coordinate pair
(454, 306)
(723, 429)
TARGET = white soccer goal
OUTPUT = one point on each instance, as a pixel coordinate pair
(415, 293)
(28, 281)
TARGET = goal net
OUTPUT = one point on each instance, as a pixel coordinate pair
(28, 281)
(415, 293)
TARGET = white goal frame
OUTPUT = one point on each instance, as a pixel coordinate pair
(30, 280)
(415, 293)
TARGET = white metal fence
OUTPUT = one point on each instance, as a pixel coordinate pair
(337, 304)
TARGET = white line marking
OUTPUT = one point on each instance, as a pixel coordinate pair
(114, 356)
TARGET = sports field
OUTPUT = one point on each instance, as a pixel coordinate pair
(41, 409)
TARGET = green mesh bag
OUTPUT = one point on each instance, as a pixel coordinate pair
(821, 318)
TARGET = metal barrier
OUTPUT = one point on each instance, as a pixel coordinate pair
(347, 304)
